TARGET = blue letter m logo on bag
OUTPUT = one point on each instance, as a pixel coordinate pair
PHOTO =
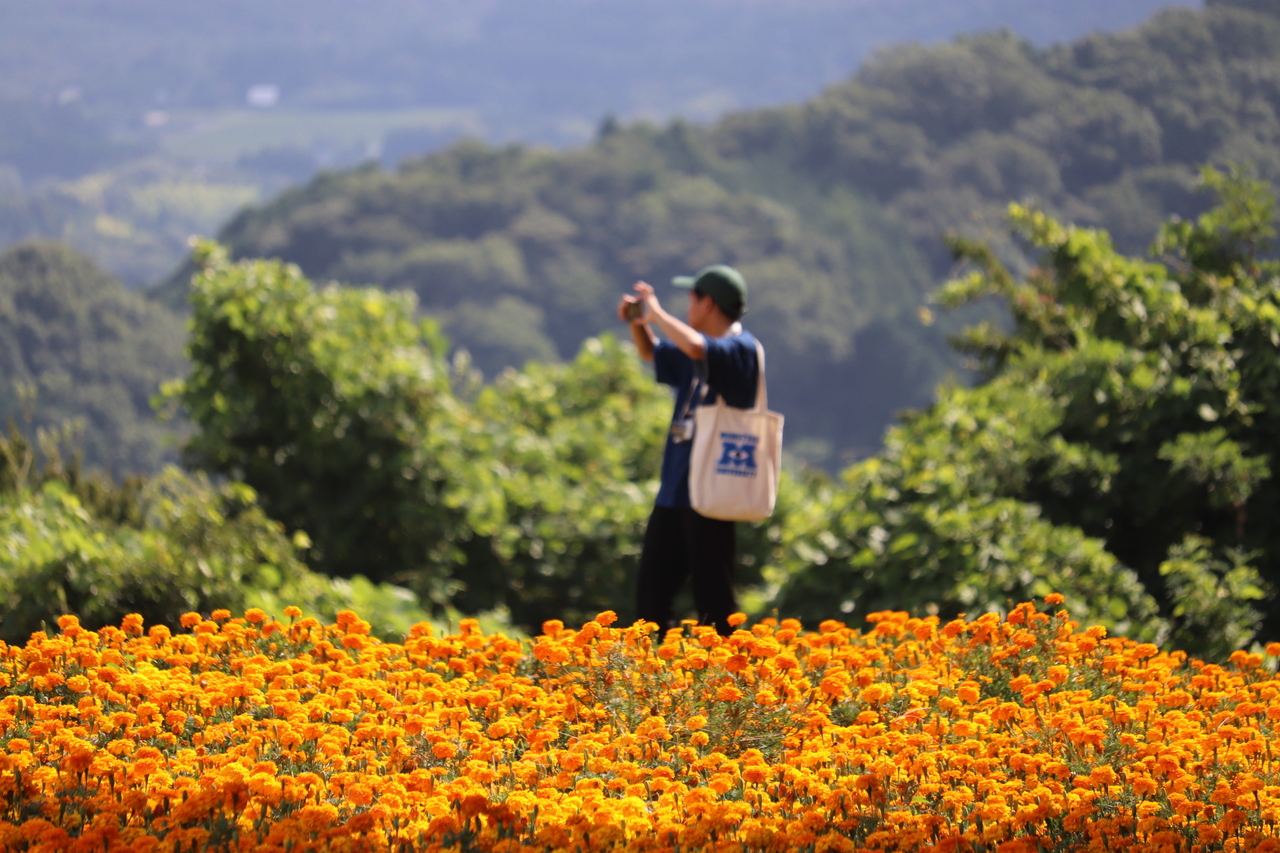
(738, 455)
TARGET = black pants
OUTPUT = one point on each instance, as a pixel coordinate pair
(678, 543)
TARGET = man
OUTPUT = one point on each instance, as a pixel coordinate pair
(706, 356)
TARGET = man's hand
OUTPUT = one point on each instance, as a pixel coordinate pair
(632, 310)
(641, 307)
(645, 295)
(646, 302)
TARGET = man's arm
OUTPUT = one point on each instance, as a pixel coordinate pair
(644, 338)
(685, 337)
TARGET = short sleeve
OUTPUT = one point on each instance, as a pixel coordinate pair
(732, 369)
(670, 365)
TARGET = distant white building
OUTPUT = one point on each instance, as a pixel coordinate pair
(262, 96)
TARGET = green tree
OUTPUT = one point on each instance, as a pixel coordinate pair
(336, 407)
(1119, 449)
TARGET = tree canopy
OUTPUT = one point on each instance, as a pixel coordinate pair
(1120, 446)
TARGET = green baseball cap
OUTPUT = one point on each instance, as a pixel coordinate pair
(725, 285)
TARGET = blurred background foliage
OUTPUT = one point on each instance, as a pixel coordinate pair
(834, 208)
(1117, 446)
(452, 431)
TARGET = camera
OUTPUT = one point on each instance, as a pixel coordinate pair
(633, 311)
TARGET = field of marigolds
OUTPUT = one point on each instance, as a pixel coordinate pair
(1022, 733)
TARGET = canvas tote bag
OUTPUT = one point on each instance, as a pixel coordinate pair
(736, 457)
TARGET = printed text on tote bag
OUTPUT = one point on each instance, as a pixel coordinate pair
(738, 454)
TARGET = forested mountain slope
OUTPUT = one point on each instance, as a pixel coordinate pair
(75, 345)
(1108, 130)
(835, 208)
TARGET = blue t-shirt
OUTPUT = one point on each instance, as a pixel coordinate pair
(729, 367)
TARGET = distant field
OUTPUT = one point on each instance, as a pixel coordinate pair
(224, 135)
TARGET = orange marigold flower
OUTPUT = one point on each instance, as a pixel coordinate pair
(224, 719)
(874, 694)
(188, 620)
(728, 693)
(292, 611)
(736, 619)
(835, 684)
(1054, 599)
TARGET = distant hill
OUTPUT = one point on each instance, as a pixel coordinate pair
(534, 70)
(127, 127)
(835, 208)
(76, 345)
